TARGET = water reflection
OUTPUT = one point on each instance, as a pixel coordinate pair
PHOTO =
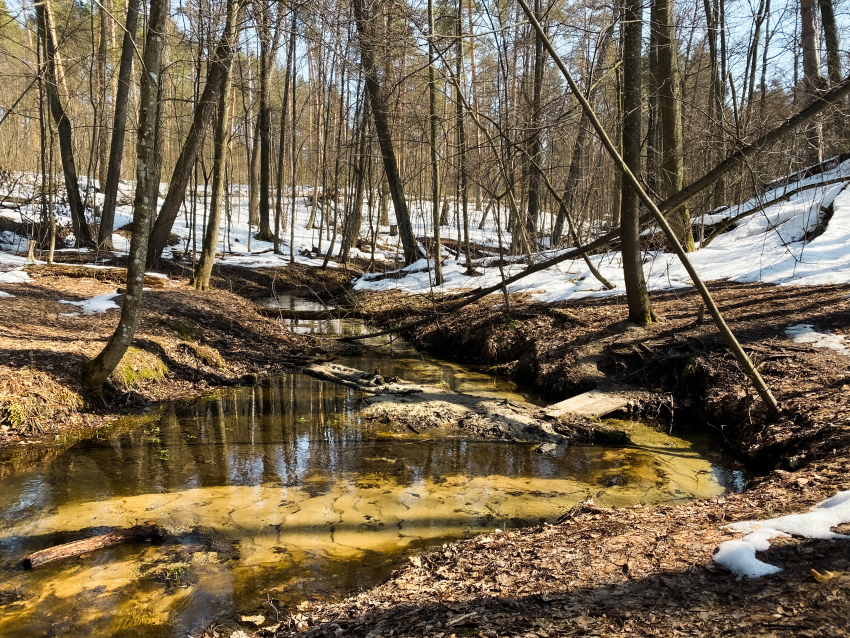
(281, 489)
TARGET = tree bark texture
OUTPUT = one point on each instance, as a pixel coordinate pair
(96, 371)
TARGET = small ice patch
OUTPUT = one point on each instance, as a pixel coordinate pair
(739, 555)
(95, 305)
(14, 277)
(805, 333)
(5, 294)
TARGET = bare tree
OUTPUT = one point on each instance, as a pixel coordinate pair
(96, 371)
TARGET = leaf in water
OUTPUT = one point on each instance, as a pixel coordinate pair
(826, 576)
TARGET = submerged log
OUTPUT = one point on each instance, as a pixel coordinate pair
(138, 533)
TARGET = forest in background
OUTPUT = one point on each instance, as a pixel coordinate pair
(498, 123)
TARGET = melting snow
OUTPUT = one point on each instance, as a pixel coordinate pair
(805, 333)
(739, 556)
(95, 305)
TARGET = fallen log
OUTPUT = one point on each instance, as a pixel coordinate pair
(138, 533)
(114, 275)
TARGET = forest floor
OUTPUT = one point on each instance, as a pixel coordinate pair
(643, 571)
(187, 343)
(597, 571)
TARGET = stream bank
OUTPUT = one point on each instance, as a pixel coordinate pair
(569, 347)
(187, 343)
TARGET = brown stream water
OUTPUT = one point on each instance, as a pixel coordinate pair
(279, 492)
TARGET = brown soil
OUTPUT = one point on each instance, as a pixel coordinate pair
(187, 342)
(613, 572)
(566, 348)
(642, 571)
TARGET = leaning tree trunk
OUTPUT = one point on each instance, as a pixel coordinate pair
(205, 263)
(637, 297)
(119, 127)
(382, 129)
(63, 126)
(204, 112)
(96, 371)
(670, 105)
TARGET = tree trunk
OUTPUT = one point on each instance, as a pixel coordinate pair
(535, 146)
(103, 90)
(205, 263)
(435, 167)
(814, 83)
(204, 111)
(278, 210)
(673, 169)
(382, 130)
(637, 297)
(715, 98)
(96, 371)
(830, 36)
(119, 127)
(268, 49)
(577, 159)
(63, 126)
(461, 139)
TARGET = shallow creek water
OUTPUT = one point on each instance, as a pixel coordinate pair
(279, 492)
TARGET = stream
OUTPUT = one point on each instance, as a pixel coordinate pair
(279, 493)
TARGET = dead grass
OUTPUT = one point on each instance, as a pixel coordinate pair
(137, 368)
(30, 400)
(186, 342)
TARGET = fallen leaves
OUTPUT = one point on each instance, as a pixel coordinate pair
(826, 576)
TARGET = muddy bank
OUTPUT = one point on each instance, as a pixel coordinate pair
(613, 572)
(188, 342)
(566, 348)
(417, 408)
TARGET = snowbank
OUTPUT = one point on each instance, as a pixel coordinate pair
(805, 333)
(739, 556)
(95, 305)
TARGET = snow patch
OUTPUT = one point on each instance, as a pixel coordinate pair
(95, 305)
(5, 294)
(739, 555)
(805, 333)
